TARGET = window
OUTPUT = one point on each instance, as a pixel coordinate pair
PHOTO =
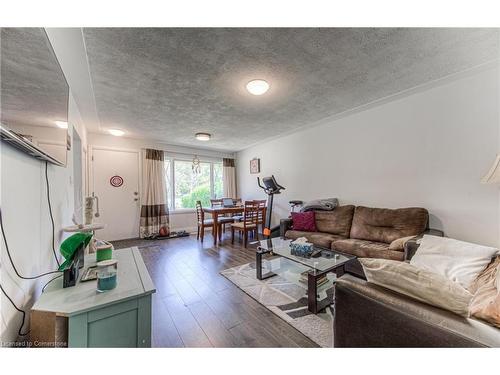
(218, 190)
(186, 187)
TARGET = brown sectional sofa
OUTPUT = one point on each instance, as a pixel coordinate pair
(362, 231)
(401, 320)
(367, 315)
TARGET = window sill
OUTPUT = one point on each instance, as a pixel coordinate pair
(179, 211)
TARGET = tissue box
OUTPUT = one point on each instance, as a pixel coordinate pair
(301, 249)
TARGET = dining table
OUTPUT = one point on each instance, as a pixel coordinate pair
(221, 211)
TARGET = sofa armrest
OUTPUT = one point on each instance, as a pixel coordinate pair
(433, 232)
(285, 224)
(412, 245)
(367, 315)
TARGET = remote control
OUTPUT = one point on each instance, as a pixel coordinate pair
(316, 253)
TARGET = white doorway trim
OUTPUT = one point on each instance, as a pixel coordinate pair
(106, 148)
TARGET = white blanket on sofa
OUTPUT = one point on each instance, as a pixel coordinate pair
(456, 260)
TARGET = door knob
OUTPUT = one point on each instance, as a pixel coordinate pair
(136, 199)
(136, 192)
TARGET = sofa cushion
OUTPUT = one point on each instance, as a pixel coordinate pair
(367, 249)
(387, 225)
(399, 244)
(317, 238)
(424, 286)
(337, 221)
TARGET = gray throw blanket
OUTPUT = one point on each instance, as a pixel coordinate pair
(327, 204)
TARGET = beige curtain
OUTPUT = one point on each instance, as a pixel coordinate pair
(229, 178)
(154, 209)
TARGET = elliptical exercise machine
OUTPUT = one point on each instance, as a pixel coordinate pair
(270, 187)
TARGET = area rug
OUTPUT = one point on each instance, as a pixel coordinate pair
(286, 297)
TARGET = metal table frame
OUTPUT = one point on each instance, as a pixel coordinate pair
(312, 277)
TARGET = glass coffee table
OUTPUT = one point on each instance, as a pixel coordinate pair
(317, 268)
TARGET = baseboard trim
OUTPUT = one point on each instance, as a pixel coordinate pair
(188, 229)
(192, 229)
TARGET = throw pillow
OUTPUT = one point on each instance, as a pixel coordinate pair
(422, 285)
(486, 275)
(304, 221)
(456, 260)
(485, 304)
(399, 243)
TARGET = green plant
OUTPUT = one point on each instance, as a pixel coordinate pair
(199, 193)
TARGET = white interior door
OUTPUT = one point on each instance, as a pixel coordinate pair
(118, 204)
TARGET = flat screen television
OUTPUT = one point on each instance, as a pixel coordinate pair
(34, 95)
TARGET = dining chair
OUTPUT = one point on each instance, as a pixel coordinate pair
(226, 219)
(249, 223)
(237, 202)
(204, 223)
(261, 214)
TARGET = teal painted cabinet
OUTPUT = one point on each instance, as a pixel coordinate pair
(117, 318)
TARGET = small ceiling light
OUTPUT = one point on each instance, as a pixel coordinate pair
(203, 136)
(62, 124)
(257, 87)
(116, 132)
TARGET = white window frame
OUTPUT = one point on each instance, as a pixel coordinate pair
(171, 189)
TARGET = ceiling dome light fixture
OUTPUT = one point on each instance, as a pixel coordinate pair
(116, 132)
(203, 136)
(62, 124)
(257, 87)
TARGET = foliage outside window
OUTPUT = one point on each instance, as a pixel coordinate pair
(186, 187)
(218, 189)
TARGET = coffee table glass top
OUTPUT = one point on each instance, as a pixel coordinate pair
(327, 261)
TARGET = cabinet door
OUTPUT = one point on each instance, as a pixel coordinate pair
(122, 325)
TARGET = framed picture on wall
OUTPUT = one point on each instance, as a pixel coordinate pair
(255, 166)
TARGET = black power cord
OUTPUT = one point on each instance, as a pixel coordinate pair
(10, 257)
(20, 276)
(48, 282)
(19, 332)
(50, 213)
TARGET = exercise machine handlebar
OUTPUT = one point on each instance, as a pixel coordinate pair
(270, 185)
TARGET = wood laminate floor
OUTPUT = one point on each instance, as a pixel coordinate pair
(194, 306)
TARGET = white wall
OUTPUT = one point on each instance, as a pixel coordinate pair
(179, 220)
(27, 223)
(428, 148)
(69, 46)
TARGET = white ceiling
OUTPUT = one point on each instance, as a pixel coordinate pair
(167, 84)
